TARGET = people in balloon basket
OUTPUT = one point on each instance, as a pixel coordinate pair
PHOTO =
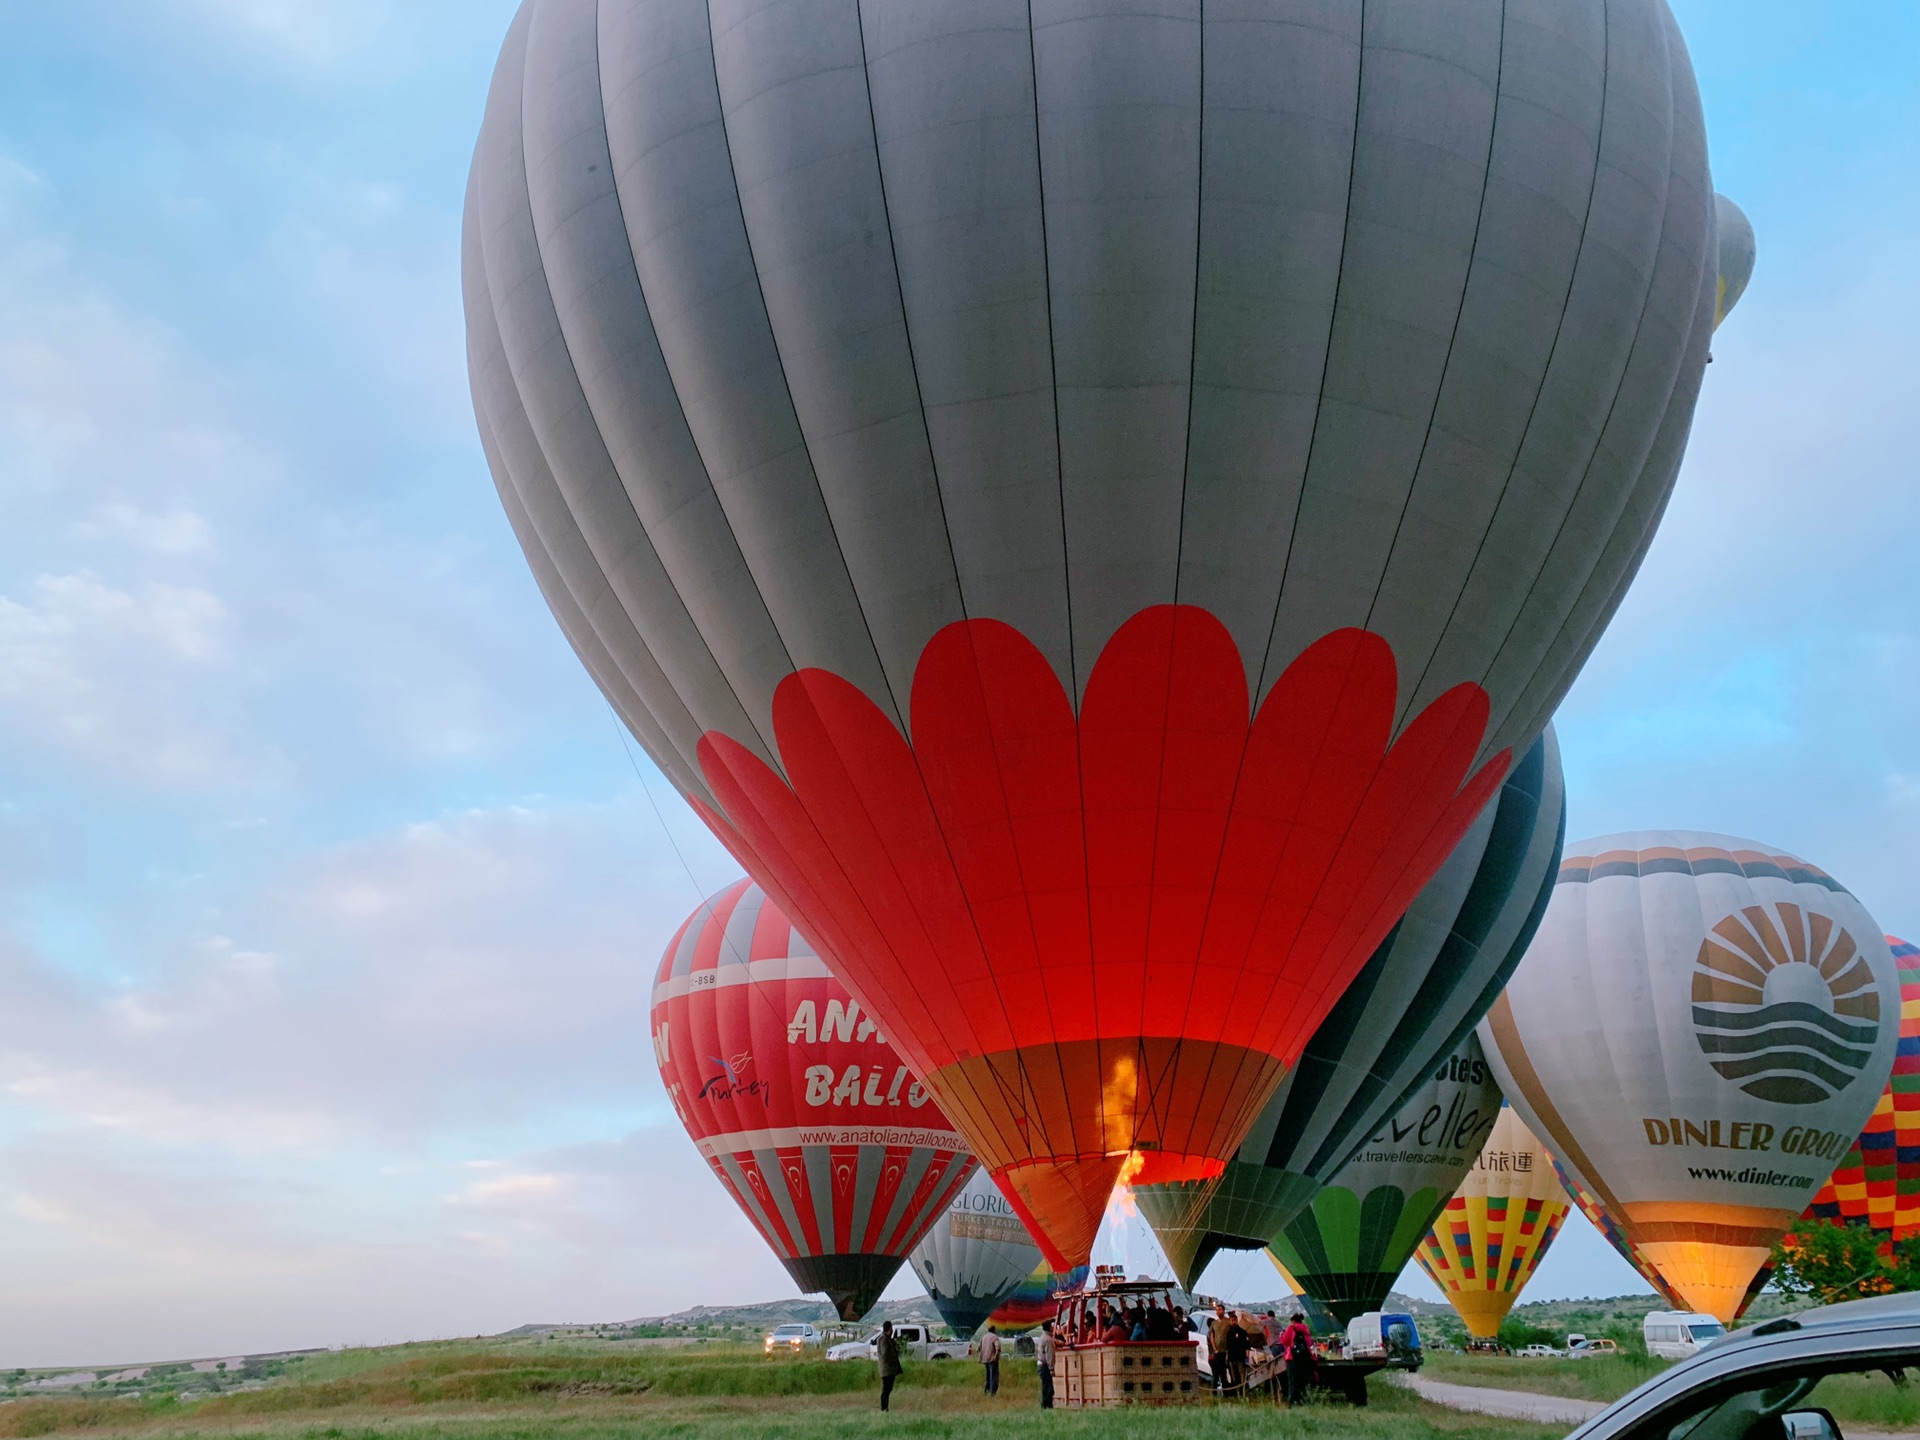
(990, 1359)
(889, 1353)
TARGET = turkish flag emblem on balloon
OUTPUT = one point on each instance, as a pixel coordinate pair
(1104, 936)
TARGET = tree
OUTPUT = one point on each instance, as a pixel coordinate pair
(1826, 1260)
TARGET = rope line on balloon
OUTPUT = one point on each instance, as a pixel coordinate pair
(705, 901)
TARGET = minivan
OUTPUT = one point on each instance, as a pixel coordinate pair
(1676, 1334)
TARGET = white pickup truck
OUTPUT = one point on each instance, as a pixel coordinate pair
(916, 1343)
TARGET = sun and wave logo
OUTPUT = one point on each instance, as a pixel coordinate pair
(1784, 1004)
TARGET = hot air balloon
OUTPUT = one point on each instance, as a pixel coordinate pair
(1878, 1183)
(1349, 1246)
(1412, 1006)
(1698, 1032)
(810, 1119)
(975, 1257)
(1088, 503)
(1733, 233)
(1611, 1231)
(1032, 1301)
(1496, 1227)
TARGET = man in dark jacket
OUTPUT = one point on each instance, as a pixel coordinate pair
(889, 1355)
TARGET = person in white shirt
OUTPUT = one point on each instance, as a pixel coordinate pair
(990, 1359)
(1043, 1357)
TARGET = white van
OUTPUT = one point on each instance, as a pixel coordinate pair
(1676, 1334)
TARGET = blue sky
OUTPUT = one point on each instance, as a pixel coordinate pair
(330, 887)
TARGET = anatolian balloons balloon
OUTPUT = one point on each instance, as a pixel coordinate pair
(1411, 1008)
(1698, 1032)
(1496, 1228)
(1089, 502)
(975, 1257)
(808, 1117)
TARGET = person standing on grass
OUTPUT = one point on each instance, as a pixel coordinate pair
(1043, 1360)
(1296, 1343)
(888, 1350)
(990, 1359)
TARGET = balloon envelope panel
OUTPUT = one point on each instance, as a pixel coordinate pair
(1878, 1183)
(975, 1256)
(1411, 1007)
(1032, 1301)
(1496, 1227)
(1349, 1246)
(809, 1118)
(982, 450)
(1698, 1032)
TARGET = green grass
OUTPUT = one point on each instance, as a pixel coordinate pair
(519, 1391)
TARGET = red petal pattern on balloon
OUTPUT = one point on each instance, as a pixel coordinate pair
(1035, 903)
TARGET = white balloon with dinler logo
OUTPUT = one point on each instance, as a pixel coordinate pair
(1698, 1032)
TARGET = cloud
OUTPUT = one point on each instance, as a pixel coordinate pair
(113, 677)
(310, 32)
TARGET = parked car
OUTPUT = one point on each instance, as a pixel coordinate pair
(1536, 1352)
(788, 1339)
(1676, 1334)
(916, 1343)
(1581, 1348)
(1762, 1383)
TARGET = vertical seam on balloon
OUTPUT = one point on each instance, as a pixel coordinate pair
(1650, 526)
(1172, 1076)
(1053, 361)
(1257, 699)
(1326, 358)
(573, 372)
(1546, 371)
(1453, 338)
(1257, 696)
(1600, 435)
(518, 406)
(1066, 550)
(906, 330)
(760, 289)
(626, 233)
(900, 295)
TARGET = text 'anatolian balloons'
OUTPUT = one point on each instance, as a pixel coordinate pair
(1087, 501)
(810, 1119)
(1698, 1032)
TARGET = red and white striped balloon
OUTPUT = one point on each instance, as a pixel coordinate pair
(816, 1127)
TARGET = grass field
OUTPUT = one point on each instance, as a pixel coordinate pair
(598, 1392)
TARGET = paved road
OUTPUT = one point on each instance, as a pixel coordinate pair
(1509, 1404)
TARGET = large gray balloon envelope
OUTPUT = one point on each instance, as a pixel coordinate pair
(975, 1256)
(1413, 1006)
(884, 390)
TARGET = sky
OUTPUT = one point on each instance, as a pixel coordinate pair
(330, 889)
